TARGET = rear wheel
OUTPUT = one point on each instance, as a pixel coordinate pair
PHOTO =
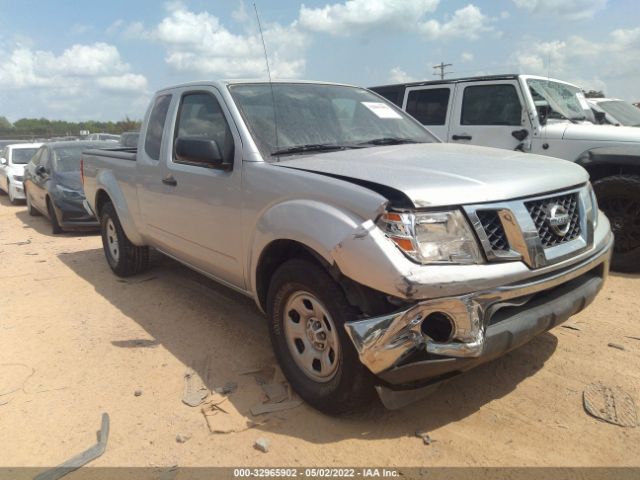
(619, 198)
(55, 226)
(124, 258)
(30, 208)
(307, 310)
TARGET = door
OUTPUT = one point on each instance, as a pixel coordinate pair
(431, 107)
(40, 175)
(490, 114)
(200, 221)
(4, 155)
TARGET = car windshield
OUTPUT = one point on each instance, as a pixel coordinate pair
(559, 101)
(21, 156)
(315, 117)
(67, 159)
(623, 112)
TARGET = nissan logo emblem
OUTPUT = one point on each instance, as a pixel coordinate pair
(559, 220)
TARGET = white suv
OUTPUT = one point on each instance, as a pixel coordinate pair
(538, 115)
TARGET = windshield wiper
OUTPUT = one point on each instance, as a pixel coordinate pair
(388, 141)
(312, 147)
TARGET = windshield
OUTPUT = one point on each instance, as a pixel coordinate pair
(555, 100)
(623, 112)
(21, 156)
(315, 117)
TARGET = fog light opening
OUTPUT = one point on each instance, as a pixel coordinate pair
(438, 326)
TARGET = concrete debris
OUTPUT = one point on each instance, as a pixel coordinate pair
(137, 392)
(571, 326)
(275, 392)
(616, 345)
(611, 404)
(426, 439)
(262, 444)
(222, 416)
(275, 407)
(194, 390)
(182, 438)
(227, 389)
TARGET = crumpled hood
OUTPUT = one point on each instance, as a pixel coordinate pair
(70, 180)
(601, 133)
(440, 174)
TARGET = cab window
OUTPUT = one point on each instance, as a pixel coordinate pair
(200, 116)
(491, 105)
(429, 106)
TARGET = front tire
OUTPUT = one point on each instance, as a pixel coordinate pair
(307, 311)
(124, 258)
(31, 210)
(619, 198)
(55, 226)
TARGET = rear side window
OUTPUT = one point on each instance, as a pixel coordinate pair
(200, 116)
(155, 126)
(429, 107)
(491, 105)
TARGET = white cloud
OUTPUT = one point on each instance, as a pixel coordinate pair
(358, 15)
(397, 75)
(74, 84)
(200, 43)
(466, 56)
(467, 22)
(585, 62)
(568, 9)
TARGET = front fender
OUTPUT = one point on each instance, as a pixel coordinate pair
(317, 225)
(106, 182)
(624, 155)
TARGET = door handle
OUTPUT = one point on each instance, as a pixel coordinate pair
(461, 137)
(170, 180)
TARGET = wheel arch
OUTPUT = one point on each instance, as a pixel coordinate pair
(608, 161)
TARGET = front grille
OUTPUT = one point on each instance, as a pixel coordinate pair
(493, 228)
(540, 211)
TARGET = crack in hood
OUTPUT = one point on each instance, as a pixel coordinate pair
(433, 175)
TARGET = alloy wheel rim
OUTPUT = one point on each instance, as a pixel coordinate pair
(311, 336)
(112, 240)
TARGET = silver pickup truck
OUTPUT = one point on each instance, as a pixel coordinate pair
(384, 259)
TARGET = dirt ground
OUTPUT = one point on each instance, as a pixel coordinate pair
(76, 341)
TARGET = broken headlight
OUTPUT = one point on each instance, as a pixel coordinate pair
(432, 237)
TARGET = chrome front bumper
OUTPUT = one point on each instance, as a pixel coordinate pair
(384, 342)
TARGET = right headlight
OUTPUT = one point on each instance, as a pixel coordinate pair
(441, 237)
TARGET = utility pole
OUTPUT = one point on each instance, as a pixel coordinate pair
(442, 66)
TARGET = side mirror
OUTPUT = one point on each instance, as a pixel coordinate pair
(40, 170)
(3, 161)
(202, 151)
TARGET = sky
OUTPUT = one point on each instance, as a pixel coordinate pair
(103, 60)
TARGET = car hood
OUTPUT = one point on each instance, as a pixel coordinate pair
(431, 175)
(602, 133)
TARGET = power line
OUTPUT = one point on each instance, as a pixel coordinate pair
(442, 66)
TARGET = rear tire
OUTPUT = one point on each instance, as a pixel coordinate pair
(31, 210)
(619, 198)
(307, 310)
(124, 258)
(55, 226)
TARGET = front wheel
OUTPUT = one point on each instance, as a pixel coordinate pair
(619, 198)
(124, 258)
(307, 311)
(31, 210)
(55, 226)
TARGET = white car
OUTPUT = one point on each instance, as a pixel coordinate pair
(613, 111)
(13, 159)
